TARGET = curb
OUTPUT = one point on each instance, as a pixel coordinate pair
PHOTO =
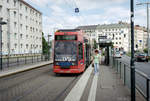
(24, 69)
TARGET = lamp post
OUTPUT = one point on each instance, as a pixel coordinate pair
(148, 39)
(1, 23)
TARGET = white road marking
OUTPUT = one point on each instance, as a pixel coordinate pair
(77, 91)
(92, 95)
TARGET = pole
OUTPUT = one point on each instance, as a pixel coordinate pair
(148, 44)
(1, 46)
(132, 52)
(48, 48)
(8, 32)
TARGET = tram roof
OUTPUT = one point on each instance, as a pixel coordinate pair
(68, 30)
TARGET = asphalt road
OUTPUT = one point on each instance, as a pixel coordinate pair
(142, 66)
(36, 85)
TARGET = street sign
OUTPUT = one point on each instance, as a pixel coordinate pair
(76, 10)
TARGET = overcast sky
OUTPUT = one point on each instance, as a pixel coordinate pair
(60, 13)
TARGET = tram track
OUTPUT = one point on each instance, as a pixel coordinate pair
(63, 91)
(36, 85)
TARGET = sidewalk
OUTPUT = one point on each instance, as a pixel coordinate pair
(103, 86)
(111, 88)
(21, 68)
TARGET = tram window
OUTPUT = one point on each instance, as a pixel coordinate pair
(80, 46)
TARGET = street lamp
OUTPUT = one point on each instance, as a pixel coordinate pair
(148, 40)
(1, 23)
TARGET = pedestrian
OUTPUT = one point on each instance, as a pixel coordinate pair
(96, 59)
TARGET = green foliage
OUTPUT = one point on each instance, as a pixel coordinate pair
(95, 45)
(45, 46)
(145, 50)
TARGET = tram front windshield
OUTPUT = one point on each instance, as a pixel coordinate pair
(65, 51)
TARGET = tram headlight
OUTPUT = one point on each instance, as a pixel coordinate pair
(73, 64)
(57, 63)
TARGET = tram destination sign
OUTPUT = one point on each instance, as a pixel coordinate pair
(65, 37)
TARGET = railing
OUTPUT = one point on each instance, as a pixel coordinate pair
(142, 80)
(22, 60)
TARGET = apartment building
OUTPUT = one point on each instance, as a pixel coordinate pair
(23, 32)
(119, 33)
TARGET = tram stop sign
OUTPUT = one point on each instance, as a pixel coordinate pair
(76, 10)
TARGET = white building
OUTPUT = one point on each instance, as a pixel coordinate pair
(23, 32)
(140, 38)
(119, 33)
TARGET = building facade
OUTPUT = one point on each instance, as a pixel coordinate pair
(23, 32)
(120, 35)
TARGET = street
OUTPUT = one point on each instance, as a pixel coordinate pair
(142, 66)
(36, 85)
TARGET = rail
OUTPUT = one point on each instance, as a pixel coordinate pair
(22, 60)
(142, 80)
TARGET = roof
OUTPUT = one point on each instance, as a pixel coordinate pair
(68, 30)
(30, 6)
(116, 25)
(89, 27)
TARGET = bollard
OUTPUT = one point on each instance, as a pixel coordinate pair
(124, 74)
(147, 90)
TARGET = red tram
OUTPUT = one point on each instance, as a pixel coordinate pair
(71, 52)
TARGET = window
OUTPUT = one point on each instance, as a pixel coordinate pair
(15, 45)
(21, 16)
(119, 42)
(26, 36)
(14, 14)
(26, 18)
(0, 8)
(7, 1)
(120, 38)
(116, 42)
(15, 24)
(14, 2)
(26, 27)
(20, 6)
(31, 29)
(21, 36)
(21, 45)
(21, 26)
(80, 46)
(26, 9)
(15, 35)
(124, 35)
(116, 38)
(27, 45)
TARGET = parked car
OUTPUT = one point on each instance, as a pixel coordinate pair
(117, 54)
(141, 57)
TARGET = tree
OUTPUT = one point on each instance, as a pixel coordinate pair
(145, 50)
(45, 46)
(95, 44)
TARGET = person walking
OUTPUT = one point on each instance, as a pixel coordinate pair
(96, 59)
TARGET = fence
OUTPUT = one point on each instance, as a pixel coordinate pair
(21, 60)
(142, 80)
